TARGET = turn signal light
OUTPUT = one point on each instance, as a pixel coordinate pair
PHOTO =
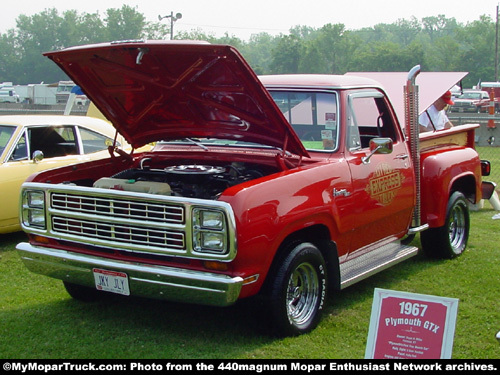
(215, 266)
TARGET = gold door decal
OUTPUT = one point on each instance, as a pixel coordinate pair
(384, 184)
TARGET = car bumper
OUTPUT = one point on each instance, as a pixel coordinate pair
(145, 280)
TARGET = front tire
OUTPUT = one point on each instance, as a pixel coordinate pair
(298, 291)
(450, 240)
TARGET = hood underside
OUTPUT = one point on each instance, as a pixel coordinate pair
(165, 90)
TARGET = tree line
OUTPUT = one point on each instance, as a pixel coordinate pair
(437, 43)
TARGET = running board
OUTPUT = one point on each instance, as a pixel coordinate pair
(372, 262)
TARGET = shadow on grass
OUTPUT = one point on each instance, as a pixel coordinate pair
(9, 241)
(120, 327)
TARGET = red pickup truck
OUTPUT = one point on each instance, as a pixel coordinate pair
(288, 187)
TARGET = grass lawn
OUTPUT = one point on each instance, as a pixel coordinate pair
(39, 320)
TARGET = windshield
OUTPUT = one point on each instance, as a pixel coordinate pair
(5, 135)
(470, 95)
(313, 116)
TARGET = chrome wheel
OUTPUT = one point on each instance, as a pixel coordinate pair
(303, 294)
(450, 240)
(458, 228)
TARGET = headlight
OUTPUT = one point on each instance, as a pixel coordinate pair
(213, 241)
(209, 231)
(35, 199)
(211, 219)
(33, 208)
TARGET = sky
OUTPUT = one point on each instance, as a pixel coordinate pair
(243, 18)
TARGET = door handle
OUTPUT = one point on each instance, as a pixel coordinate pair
(337, 193)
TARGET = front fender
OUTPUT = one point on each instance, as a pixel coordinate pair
(269, 211)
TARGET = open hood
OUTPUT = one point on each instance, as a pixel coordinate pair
(165, 90)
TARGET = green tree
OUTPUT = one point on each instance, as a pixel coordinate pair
(49, 30)
(438, 26)
(124, 24)
(35, 35)
(389, 57)
(286, 55)
(331, 42)
(9, 58)
(477, 42)
(257, 51)
(445, 55)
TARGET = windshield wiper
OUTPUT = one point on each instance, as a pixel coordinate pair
(197, 143)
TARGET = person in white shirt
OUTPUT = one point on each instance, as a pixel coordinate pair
(434, 117)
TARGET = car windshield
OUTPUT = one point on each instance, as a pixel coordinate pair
(470, 95)
(6, 132)
(313, 116)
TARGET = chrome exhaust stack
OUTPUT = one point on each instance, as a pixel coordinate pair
(412, 131)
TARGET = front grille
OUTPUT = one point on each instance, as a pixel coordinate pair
(119, 208)
(125, 234)
(134, 223)
(123, 223)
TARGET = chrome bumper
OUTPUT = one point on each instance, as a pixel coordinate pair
(145, 280)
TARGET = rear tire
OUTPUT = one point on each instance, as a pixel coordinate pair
(450, 240)
(297, 291)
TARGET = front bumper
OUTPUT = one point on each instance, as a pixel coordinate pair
(145, 280)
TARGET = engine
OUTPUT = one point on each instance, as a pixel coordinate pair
(186, 180)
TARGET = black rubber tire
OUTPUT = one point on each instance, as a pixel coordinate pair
(82, 293)
(450, 240)
(297, 291)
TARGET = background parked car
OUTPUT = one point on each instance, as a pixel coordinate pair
(62, 140)
(470, 101)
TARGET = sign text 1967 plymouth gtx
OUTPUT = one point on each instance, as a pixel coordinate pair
(285, 186)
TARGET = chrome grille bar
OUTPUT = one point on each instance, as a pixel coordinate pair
(135, 210)
(120, 233)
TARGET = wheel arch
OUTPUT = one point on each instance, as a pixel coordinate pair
(319, 236)
(435, 212)
(443, 173)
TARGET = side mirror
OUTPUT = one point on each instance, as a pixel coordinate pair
(378, 146)
(37, 156)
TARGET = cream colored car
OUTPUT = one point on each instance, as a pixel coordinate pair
(32, 143)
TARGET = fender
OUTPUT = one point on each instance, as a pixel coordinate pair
(271, 209)
(445, 170)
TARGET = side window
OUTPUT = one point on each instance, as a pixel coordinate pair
(21, 150)
(93, 142)
(53, 141)
(369, 117)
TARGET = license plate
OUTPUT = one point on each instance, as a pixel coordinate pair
(111, 281)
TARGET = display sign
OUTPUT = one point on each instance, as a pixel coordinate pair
(411, 326)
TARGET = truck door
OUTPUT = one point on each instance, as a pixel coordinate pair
(382, 188)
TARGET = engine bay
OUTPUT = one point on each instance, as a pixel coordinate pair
(183, 180)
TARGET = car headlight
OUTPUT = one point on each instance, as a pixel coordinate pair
(33, 208)
(35, 199)
(209, 231)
